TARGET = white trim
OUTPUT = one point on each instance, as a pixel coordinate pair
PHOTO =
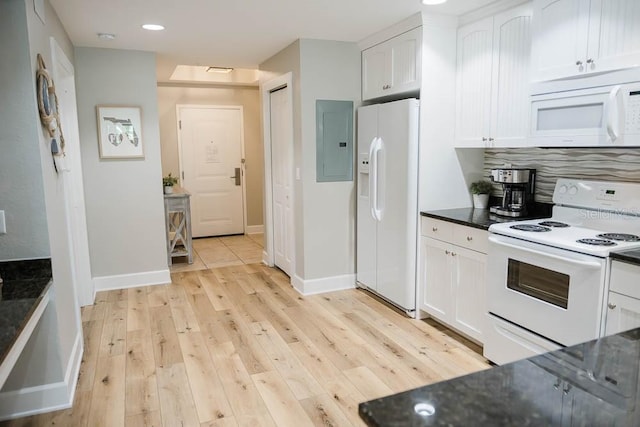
(47, 397)
(242, 150)
(133, 280)
(285, 80)
(254, 229)
(20, 342)
(489, 10)
(324, 284)
(394, 30)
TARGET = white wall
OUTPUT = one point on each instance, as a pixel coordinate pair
(125, 210)
(445, 172)
(249, 98)
(325, 212)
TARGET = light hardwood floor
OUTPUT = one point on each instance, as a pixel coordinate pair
(238, 346)
(212, 252)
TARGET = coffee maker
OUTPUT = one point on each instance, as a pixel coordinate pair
(518, 187)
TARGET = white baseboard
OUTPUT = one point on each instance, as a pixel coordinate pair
(324, 284)
(44, 398)
(254, 229)
(134, 280)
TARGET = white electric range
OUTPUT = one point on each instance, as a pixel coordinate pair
(546, 279)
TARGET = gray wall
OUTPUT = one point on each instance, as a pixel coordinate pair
(21, 186)
(249, 99)
(324, 217)
(607, 164)
(125, 211)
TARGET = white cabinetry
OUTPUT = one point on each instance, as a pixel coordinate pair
(574, 37)
(452, 275)
(493, 74)
(392, 67)
(623, 307)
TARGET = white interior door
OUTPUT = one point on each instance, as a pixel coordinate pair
(64, 78)
(281, 126)
(211, 160)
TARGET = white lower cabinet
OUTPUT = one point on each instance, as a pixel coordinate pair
(452, 278)
(623, 305)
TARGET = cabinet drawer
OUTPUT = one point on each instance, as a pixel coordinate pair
(625, 279)
(437, 229)
(471, 238)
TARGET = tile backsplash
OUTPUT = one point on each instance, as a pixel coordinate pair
(606, 164)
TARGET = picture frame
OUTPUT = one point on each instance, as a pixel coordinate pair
(120, 132)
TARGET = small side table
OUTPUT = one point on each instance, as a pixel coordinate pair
(177, 214)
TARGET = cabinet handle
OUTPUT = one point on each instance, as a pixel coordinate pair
(385, 87)
(434, 229)
(590, 61)
(579, 63)
(447, 252)
(566, 388)
(611, 306)
(557, 384)
(469, 238)
(491, 139)
(453, 254)
(484, 139)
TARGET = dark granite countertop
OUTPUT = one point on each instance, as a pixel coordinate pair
(24, 284)
(631, 256)
(594, 383)
(481, 218)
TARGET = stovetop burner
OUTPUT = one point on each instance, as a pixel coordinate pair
(621, 237)
(554, 224)
(530, 227)
(596, 242)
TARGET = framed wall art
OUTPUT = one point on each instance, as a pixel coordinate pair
(119, 132)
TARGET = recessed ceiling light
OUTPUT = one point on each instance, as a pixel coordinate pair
(433, 2)
(223, 70)
(106, 36)
(153, 27)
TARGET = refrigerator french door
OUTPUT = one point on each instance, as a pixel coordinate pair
(387, 206)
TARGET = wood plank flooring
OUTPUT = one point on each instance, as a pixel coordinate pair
(238, 346)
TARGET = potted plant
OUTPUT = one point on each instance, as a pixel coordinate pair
(480, 191)
(168, 182)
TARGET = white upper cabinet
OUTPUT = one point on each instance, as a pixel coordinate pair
(493, 75)
(392, 67)
(576, 37)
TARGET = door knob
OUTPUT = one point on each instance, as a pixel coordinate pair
(611, 306)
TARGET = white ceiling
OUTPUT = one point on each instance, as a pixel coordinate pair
(233, 33)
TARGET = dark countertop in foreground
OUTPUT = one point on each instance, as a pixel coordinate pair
(594, 383)
(631, 256)
(481, 218)
(24, 284)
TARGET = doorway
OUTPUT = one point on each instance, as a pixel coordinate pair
(278, 137)
(211, 151)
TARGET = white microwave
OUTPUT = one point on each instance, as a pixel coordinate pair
(606, 116)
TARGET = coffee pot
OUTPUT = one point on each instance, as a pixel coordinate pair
(518, 187)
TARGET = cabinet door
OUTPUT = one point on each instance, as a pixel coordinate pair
(406, 62)
(435, 278)
(374, 64)
(614, 35)
(469, 284)
(511, 77)
(473, 97)
(560, 29)
(623, 313)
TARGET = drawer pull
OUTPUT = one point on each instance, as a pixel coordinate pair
(434, 229)
(447, 252)
(611, 306)
(453, 254)
(469, 238)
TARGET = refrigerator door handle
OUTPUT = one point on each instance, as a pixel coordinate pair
(373, 179)
(374, 150)
(379, 149)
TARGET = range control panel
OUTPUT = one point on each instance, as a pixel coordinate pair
(608, 195)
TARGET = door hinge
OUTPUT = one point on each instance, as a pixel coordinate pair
(180, 124)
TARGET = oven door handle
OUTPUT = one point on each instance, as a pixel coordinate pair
(591, 264)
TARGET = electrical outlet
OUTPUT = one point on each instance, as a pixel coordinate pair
(3, 223)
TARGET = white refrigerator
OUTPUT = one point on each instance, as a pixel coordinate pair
(387, 206)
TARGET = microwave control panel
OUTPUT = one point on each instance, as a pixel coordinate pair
(632, 124)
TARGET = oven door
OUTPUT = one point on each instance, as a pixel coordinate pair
(552, 292)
